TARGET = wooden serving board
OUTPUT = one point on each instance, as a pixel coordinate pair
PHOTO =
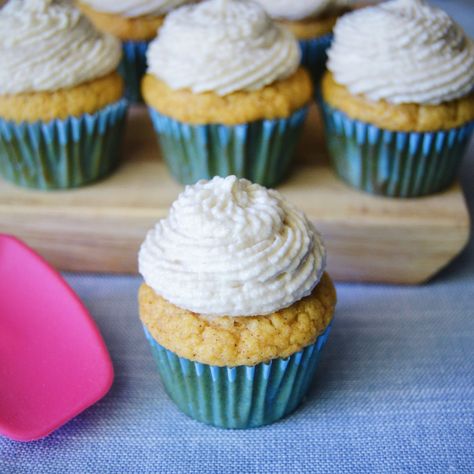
(99, 228)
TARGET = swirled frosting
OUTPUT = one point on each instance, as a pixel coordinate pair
(402, 51)
(301, 9)
(46, 45)
(135, 8)
(230, 247)
(222, 46)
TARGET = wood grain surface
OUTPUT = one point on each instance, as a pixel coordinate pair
(99, 228)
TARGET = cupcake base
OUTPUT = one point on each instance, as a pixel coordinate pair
(62, 154)
(390, 163)
(314, 55)
(260, 151)
(133, 68)
(238, 397)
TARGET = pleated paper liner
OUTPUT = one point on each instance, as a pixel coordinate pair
(314, 55)
(260, 151)
(133, 67)
(62, 154)
(242, 396)
(390, 163)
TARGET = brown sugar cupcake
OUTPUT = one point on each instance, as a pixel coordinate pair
(135, 23)
(236, 304)
(61, 105)
(399, 98)
(226, 93)
(312, 22)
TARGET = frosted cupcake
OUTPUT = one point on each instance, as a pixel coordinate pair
(399, 102)
(136, 23)
(312, 22)
(236, 304)
(226, 93)
(61, 106)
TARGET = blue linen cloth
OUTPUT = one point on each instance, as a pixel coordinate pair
(394, 391)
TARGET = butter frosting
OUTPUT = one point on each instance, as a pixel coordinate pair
(222, 46)
(402, 51)
(46, 45)
(301, 9)
(135, 8)
(232, 248)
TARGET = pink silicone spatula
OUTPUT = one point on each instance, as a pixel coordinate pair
(53, 361)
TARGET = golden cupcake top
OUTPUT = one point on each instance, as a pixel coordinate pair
(398, 117)
(127, 28)
(230, 341)
(302, 9)
(86, 98)
(278, 100)
(134, 8)
(402, 51)
(222, 46)
(47, 45)
(232, 248)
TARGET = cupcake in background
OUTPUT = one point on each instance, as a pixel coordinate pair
(61, 106)
(312, 22)
(399, 98)
(135, 23)
(236, 304)
(226, 93)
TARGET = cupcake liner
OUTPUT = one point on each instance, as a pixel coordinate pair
(390, 163)
(133, 68)
(242, 396)
(260, 151)
(62, 154)
(314, 55)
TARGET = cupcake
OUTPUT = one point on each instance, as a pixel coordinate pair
(226, 93)
(236, 304)
(135, 22)
(398, 98)
(312, 22)
(61, 106)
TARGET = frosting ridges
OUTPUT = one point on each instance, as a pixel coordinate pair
(222, 46)
(46, 45)
(232, 248)
(402, 51)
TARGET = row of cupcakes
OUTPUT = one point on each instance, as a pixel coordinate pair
(61, 98)
(137, 22)
(398, 112)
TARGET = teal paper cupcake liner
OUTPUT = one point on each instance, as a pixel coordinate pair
(133, 68)
(260, 151)
(390, 163)
(314, 55)
(62, 154)
(238, 397)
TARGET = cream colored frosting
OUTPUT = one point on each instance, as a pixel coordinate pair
(301, 9)
(230, 247)
(135, 8)
(46, 45)
(402, 51)
(222, 46)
